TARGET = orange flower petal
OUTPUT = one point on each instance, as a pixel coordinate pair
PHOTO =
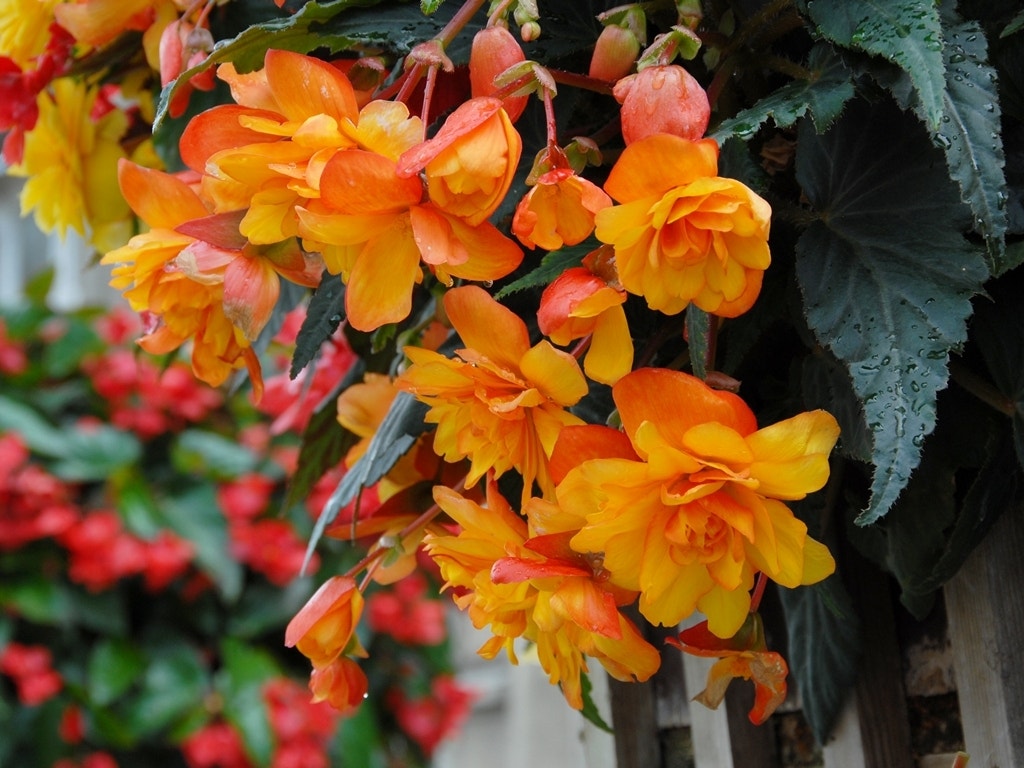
(359, 182)
(161, 200)
(381, 282)
(304, 86)
(652, 166)
(218, 129)
(486, 326)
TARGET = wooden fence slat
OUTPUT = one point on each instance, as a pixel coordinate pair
(712, 746)
(985, 611)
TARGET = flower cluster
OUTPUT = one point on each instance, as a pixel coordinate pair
(395, 187)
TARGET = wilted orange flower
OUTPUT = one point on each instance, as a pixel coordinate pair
(501, 403)
(537, 589)
(581, 302)
(324, 628)
(683, 234)
(691, 522)
(470, 163)
(744, 655)
(558, 210)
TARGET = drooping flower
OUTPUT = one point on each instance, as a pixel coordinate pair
(587, 301)
(341, 683)
(681, 233)
(558, 210)
(501, 403)
(217, 294)
(537, 589)
(745, 655)
(690, 523)
(662, 99)
(470, 162)
(324, 628)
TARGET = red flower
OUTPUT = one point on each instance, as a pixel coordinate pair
(167, 557)
(406, 613)
(215, 745)
(436, 716)
(29, 666)
(101, 552)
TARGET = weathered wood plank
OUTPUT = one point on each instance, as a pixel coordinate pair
(986, 623)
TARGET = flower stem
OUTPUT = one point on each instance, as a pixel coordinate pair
(755, 598)
(980, 388)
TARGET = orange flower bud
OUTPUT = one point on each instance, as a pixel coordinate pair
(325, 626)
(662, 99)
(614, 54)
(494, 50)
(342, 684)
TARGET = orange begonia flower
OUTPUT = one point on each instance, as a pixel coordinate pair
(470, 163)
(744, 656)
(691, 522)
(153, 270)
(581, 303)
(558, 210)
(97, 22)
(342, 684)
(683, 234)
(501, 403)
(324, 628)
(537, 589)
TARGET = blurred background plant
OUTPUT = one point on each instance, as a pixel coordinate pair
(147, 571)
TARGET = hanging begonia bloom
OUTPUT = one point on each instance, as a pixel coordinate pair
(266, 153)
(97, 22)
(198, 276)
(558, 210)
(501, 403)
(537, 590)
(691, 522)
(470, 163)
(324, 628)
(342, 684)
(581, 303)
(748, 659)
(662, 99)
(681, 233)
(70, 161)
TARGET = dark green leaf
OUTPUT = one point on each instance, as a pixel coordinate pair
(823, 97)
(103, 612)
(358, 740)
(551, 266)
(36, 598)
(114, 666)
(824, 641)
(175, 679)
(37, 433)
(905, 32)
(323, 316)
(96, 453)
(195, 515)
(886, 276)
(428, 7)
(590, 711)
(394, 437)
(200, 452)
(246, 670)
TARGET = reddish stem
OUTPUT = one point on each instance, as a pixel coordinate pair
(755, 598)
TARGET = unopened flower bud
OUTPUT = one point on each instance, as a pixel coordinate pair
(614, 54)
(662, 99)
(494, 50)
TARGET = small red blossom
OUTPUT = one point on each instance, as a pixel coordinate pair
(432, 718)
(406, 612)
(30, 668)
(245, 497)
(101, 552)
(215, 745)
(270, 547)
(167, 557)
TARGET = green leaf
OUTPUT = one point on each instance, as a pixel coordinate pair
(428, 7)
(96, 453)
(198, 451)
(195, 515)
(246, 669)
(822, 97)
(886, 276)
(401, 427)
(590, 710)
(905, 32)
(359, 739)
(551, 266)
(824, 641)
(698, 326)
(266, 608)
(323, 316)
(969, 132)
(113, 667)
(175, 678)
(63, 356)
(37, 433)
(36, 598)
